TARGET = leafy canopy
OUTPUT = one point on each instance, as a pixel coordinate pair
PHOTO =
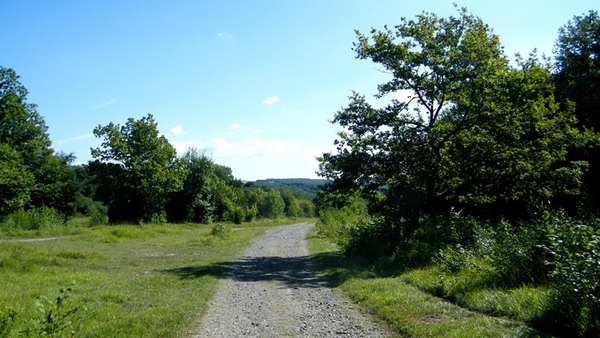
(138, 167)
(473, 133)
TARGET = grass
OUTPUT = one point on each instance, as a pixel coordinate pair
(124, 281)
(407, 302)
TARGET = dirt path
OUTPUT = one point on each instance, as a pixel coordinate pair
(273, 291)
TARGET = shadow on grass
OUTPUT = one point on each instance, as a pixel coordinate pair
(311, 271)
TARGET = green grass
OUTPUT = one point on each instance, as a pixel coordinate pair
(126, 281)
(407, 302)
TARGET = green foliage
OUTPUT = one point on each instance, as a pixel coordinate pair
(137, 170)
(577, 79)
(16, 181)
(34, 219)
(31, 175)
(271, 205)
(7, 320)
(293, 209)
(220, 230)
(193, 201)
(577, 52)
(98, 214)
(575, 265)
(336, 225)
(518, 254)
(53, 320)
(301, 188)
(474, 133)
(225, 195)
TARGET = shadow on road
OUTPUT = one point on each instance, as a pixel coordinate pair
(295, 272)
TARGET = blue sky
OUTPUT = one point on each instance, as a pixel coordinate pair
(254, 83)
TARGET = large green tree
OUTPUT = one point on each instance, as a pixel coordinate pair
(137, 170)
(472, 133)
(32, 175)
(577, 77)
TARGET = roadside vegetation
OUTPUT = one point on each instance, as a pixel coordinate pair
(117, 281)
(475, 198)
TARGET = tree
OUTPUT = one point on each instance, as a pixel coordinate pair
(271, 205)
(137, 168)
(32, 175)
(194, 201)
(16, 181)
(577, 78)
(473, 132)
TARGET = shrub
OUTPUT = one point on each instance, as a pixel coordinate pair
(158, 218)
(54, 319)
(448, 238)
(575, 264)
(44, 217)
(18, 220)
(336, 224)
(250, 214)
(518, 254)
(34, 219)
(219, 230)
(7, 320)
(371, 238)
(98, 214)
(237, 214)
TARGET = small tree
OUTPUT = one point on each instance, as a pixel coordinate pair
(271, 205)
(137, 168)
(194, 201)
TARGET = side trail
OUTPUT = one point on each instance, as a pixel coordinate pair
(274, 291)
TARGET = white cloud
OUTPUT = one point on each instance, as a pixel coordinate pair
(102, 105)
(178, 130)
(182, 147)
(222, 35)
(236, 128)
(74, 139)
(259, 158)
(271, 100)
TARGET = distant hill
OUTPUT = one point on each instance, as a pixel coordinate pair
(301, 187)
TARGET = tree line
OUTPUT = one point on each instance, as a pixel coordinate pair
(135, 175)
(483, 148)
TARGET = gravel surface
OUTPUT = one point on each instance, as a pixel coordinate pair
(273, 291)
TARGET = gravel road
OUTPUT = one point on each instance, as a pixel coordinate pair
(273, 291)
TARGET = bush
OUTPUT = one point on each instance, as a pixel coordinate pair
(219, 230)
(449, 238)
(237, 214)
(250, 214)
(7, 320)
(575, 264)
(371, 238)
(98, 214)
(518, 254)
(34, 219)
(336, 225)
